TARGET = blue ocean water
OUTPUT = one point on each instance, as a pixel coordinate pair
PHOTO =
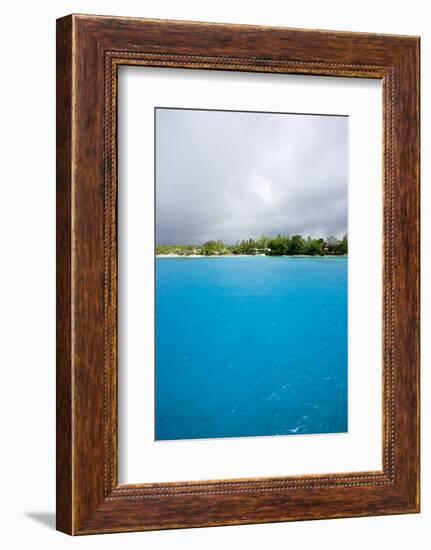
(250, 346)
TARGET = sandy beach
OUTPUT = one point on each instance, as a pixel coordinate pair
(208, 255)
(249, 256)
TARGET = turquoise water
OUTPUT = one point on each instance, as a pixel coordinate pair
(250, 346)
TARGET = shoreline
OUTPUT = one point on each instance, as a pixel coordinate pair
(250, 256)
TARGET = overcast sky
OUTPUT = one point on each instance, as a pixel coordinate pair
(234, 175)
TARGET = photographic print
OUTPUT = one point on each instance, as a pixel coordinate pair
(251, 274)
(238, 254)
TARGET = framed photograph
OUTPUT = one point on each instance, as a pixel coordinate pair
(237, 274)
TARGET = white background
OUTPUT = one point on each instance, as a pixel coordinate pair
(141, 458)
(27, 123)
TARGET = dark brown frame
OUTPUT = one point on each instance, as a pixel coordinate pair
(89, 50)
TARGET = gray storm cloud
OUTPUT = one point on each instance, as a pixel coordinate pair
(234, 175)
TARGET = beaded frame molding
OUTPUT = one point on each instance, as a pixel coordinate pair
(89, 51)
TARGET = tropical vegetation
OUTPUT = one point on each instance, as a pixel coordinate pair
(281, 245)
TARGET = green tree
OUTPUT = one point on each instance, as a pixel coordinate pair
(342, 247)
(214, 247)
(280, 246)
(262, 242)
(297, 245)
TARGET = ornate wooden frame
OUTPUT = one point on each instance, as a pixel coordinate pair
(89, 51)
